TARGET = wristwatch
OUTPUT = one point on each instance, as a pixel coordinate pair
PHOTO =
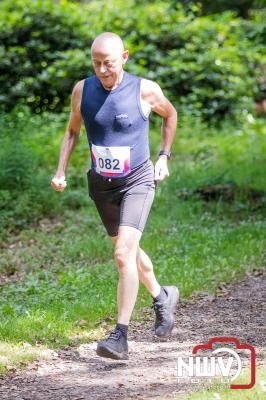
(165, 153)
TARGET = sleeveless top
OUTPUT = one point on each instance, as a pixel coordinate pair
(117, 129)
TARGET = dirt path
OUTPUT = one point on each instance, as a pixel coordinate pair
(77, 374)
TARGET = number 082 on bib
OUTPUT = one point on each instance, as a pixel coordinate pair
(113, 161)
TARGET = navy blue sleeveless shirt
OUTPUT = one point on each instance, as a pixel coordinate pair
(117, 129)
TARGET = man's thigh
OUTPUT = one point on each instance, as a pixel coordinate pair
(136, 205)
(107, 201)
(124, 202)
(110, 215)
(132, 211)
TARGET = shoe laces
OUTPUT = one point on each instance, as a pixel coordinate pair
(115, 335)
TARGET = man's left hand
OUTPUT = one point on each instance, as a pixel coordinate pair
(161, 170)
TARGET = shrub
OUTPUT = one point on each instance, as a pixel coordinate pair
(206, 64)
(43, 52)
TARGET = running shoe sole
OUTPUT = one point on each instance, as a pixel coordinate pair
(109, 353)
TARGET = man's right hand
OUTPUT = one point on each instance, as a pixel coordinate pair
(59, 183)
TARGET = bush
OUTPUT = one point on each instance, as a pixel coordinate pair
(206, 64)
(23, 187)
(43, 52)
(17, 165)
(29, 150)
(241, 7)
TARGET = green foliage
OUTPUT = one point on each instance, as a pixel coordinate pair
(199, 63)
(207, 65)
(29, 149)
(17, 165)
(241, 7)
(44, 51)
(28, 144)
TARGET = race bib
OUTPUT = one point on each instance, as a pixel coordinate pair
(113, 161)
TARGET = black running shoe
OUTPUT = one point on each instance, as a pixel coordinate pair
(115, 346)
(165, 311)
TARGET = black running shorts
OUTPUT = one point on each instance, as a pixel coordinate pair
(123, 201)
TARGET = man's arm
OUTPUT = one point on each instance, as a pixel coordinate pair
(152, 95)
(70, 138)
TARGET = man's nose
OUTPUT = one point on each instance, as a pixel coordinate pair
(102, 68)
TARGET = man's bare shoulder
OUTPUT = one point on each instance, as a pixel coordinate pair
(78, 88)
(149, 87)
(77, 95)
(152, 94)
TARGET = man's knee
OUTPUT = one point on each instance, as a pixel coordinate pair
(123, 254)
(126, 245)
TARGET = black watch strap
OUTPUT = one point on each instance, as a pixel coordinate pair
(165, 153)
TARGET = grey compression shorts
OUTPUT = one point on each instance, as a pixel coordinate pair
(123, 201)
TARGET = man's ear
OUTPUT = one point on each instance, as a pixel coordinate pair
(125, 56)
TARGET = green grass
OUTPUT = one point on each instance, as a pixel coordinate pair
(17, 355)
(66, 264)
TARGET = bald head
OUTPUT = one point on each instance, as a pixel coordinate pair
(107, 42)
(108, 57)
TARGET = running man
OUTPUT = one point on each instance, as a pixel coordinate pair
(115, 108)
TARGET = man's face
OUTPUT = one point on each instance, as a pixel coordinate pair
(108, 65)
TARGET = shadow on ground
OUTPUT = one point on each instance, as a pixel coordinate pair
(150, 373)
